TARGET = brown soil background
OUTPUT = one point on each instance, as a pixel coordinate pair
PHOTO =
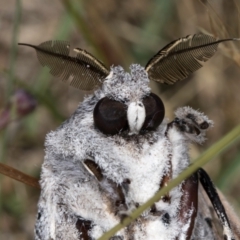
(120, 33)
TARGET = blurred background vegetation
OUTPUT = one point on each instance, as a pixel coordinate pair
(32, 103)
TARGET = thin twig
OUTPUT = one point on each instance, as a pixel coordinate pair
(19, 176)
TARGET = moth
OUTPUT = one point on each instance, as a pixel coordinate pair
(117, 150)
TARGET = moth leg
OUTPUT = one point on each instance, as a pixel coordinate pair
(217, 204)
(114, 191)
(189, 205)
(193, 124)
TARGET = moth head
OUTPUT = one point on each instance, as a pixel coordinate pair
(128, 104)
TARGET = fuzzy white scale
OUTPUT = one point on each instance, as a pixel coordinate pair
(70, 191)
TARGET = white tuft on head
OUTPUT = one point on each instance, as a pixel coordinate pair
(124, 86)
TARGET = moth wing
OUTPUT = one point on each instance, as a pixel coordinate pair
(233, 218)
(209, 217)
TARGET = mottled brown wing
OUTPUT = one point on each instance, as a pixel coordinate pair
(83, 71)
(182, 57)
(205, 208)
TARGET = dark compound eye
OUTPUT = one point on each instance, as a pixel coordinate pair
(154, 112)
(110, 116)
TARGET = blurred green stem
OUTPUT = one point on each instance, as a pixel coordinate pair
(13, 49)
(72, 8)
(229, 174)
(10, 82)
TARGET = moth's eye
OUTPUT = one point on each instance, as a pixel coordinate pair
(154, 112)
(110, 116)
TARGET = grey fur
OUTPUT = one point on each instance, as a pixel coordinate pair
(70, 191)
